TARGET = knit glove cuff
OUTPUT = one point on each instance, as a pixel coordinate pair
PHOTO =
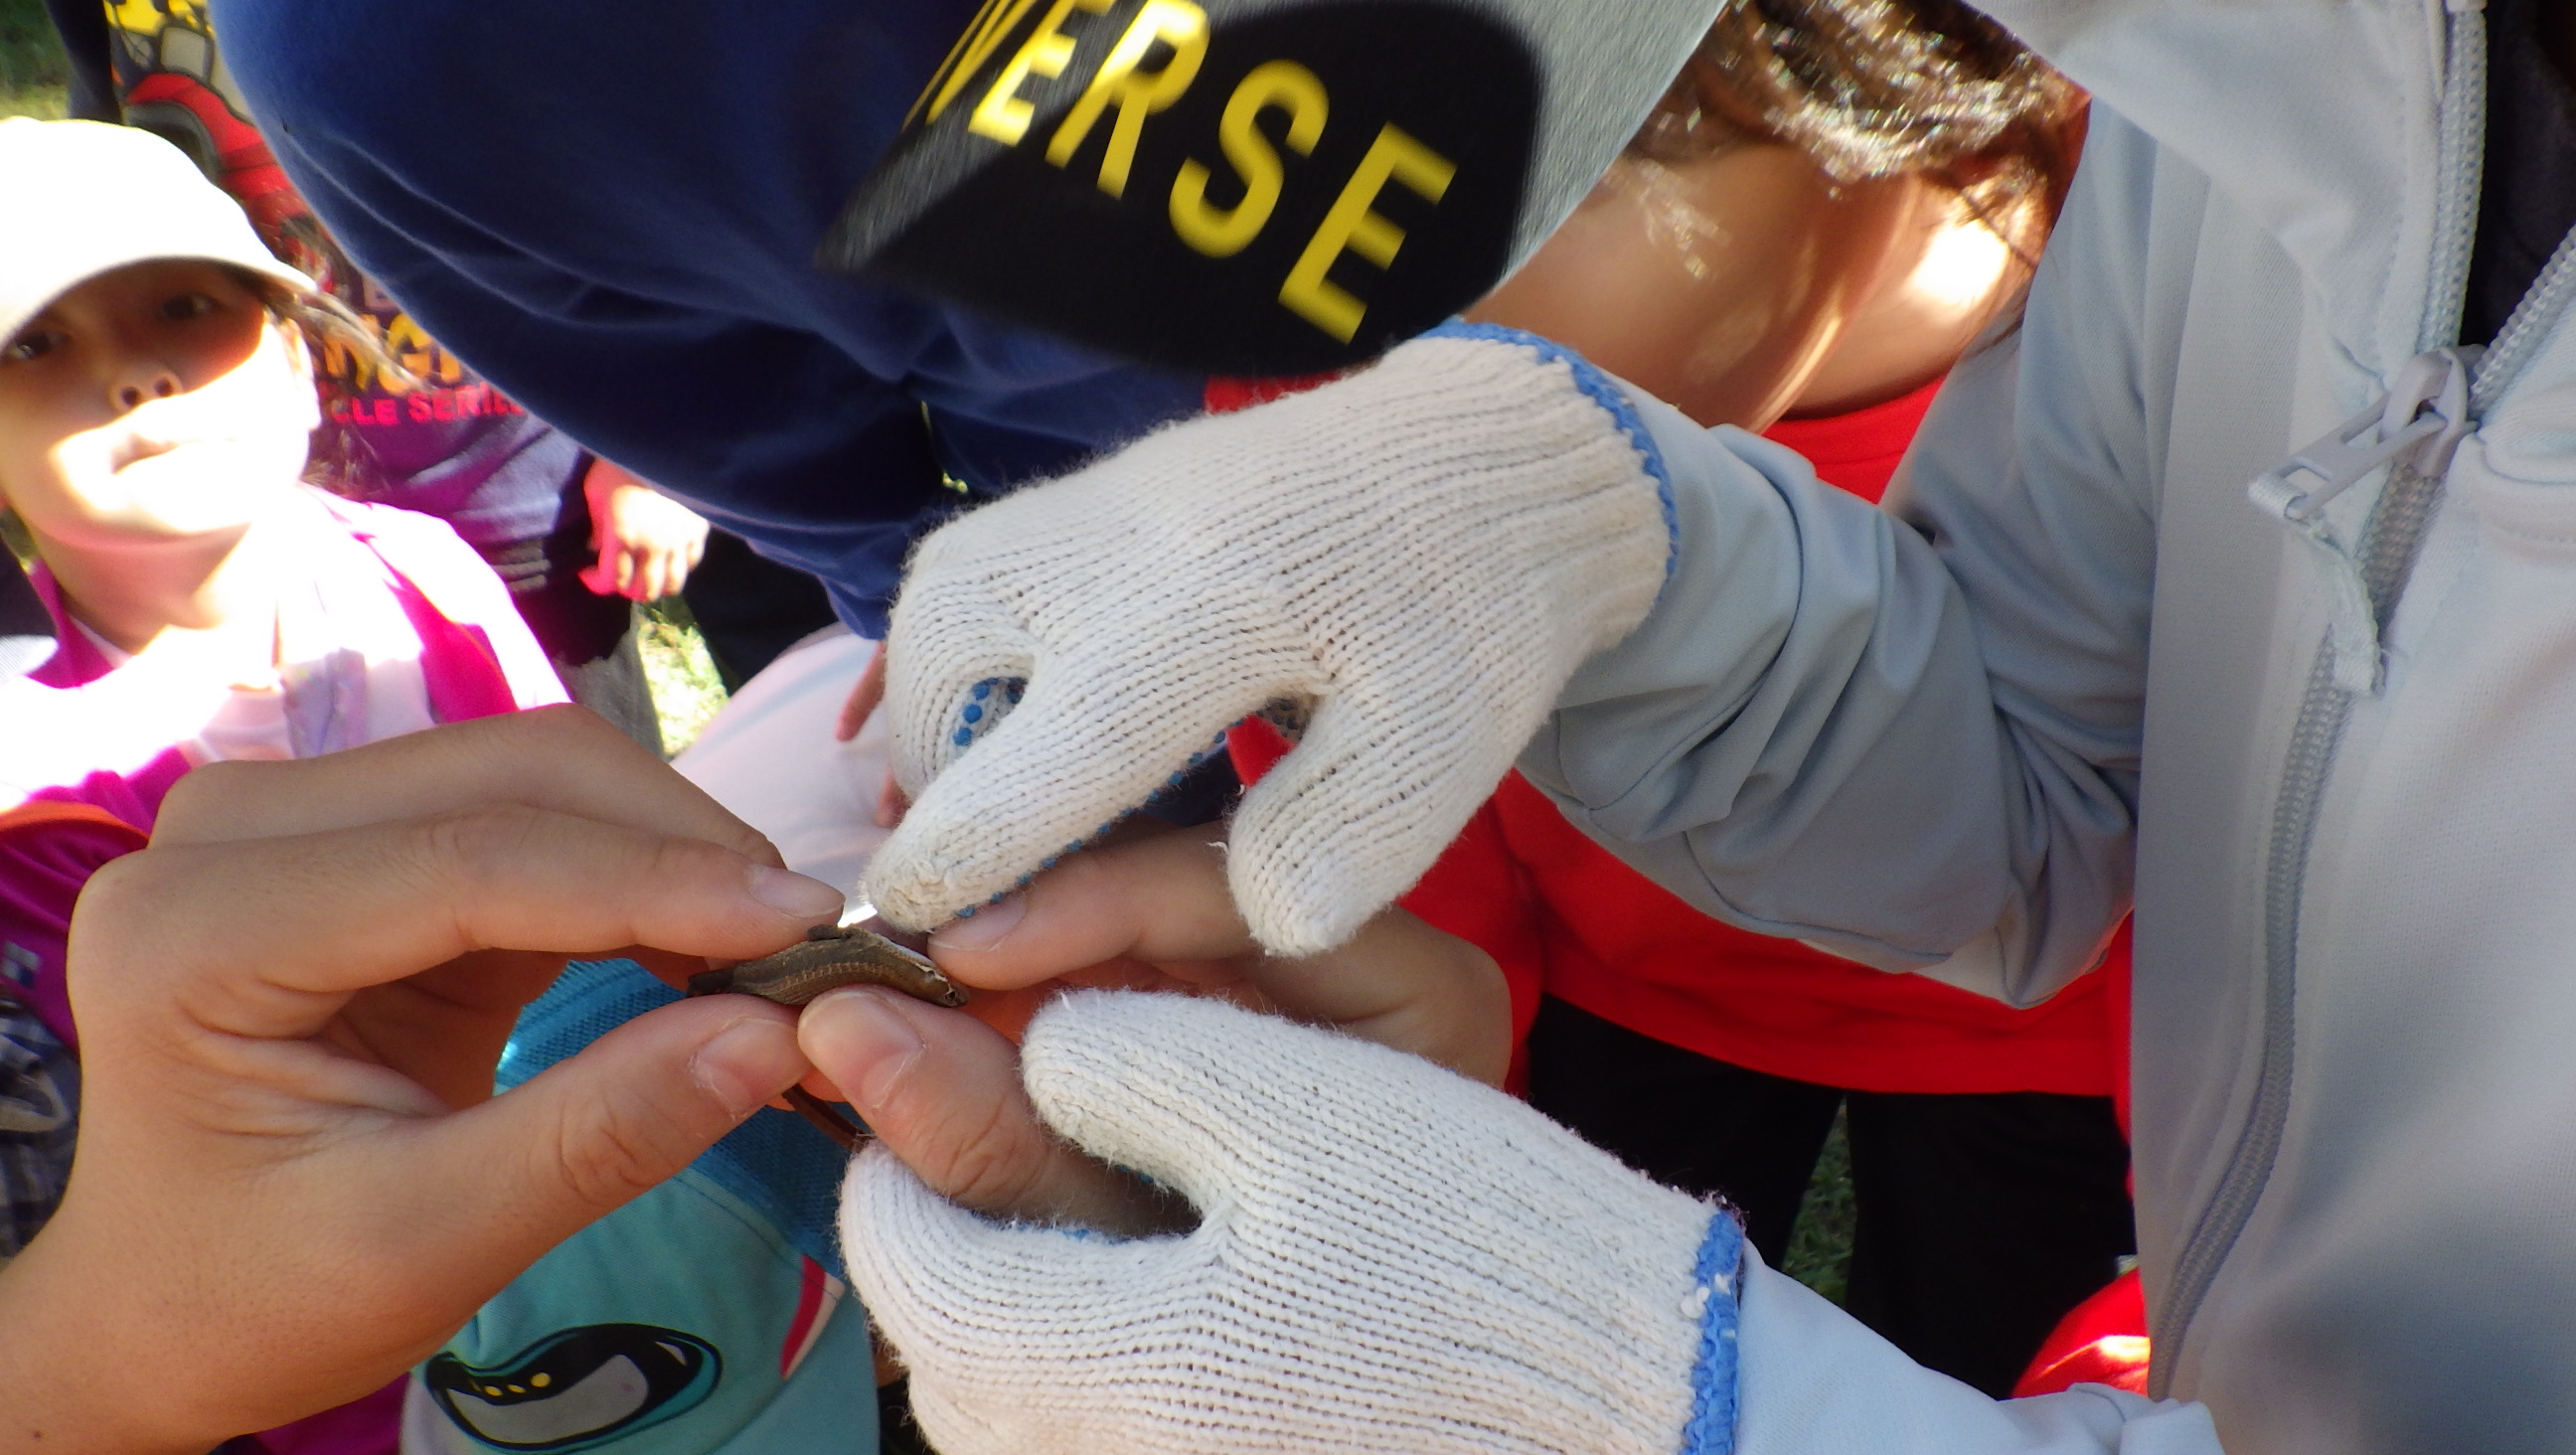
(1414, 559)
(1390, 1258)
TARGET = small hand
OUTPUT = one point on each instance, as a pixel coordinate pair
(865, 695)
(944, 1093)
(647, 542)
(942, 1090)
(1155, 913)
(291, 1005)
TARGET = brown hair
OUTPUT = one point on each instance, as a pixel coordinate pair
(326, 322)
(1879, 88)
(338, 460)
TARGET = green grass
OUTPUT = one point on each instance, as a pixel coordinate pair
(1820, 1242)
(32, 69)
(686, 690)
(45, 103)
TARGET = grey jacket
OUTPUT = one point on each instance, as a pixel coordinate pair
(2329, 745)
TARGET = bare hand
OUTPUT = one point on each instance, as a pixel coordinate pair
(647, 542)
(864, 696)
(293, 1180)
(943, 1092)
(1156, 914)
(861, 705)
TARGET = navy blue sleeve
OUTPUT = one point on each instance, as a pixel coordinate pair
(611, 212)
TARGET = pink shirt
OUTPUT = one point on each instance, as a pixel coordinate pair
(83, 729)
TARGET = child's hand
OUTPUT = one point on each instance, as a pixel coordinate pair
(1156, 914)
(856, 709)
(293, 1181)
(1373, 1255)
(944, 1094)
(647, 542)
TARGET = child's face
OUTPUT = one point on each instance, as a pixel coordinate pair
(156, 403)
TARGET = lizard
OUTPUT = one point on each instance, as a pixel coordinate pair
(829, 957)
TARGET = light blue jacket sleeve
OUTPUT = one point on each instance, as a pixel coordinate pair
(1810, 1379)
(1911, 737)
(1783, 1372)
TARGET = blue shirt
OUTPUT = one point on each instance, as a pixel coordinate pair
(611, 212)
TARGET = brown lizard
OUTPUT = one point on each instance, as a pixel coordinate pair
(829, 957)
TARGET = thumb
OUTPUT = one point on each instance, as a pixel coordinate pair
(1201, 1096)
(942, 1092)
(594, 1131)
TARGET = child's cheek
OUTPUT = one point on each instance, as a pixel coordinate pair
(272, 397)
(76, 477)
(41, 449)
(265, 400)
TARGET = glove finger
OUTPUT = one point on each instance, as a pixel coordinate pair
(982, 1311)
(1260, 1122)
(1207, 1098)
(1360, 809)
(1089, 744)
(946, 639)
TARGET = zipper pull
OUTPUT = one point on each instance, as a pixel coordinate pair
(2419, 423)
(2424, 413)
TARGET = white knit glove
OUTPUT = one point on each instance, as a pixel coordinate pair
(1390, 1258)
(1421, 553)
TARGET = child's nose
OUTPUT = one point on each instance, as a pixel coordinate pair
(141, 385)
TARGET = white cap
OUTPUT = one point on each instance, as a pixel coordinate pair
(87, 198)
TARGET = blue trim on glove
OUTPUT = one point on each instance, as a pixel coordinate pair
(1717, 1279)
(1602, 390)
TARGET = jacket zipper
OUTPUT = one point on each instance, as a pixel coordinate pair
(2386, 558)
(2325, 707)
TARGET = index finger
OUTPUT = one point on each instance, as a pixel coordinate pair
(265, 938)
(564, 760)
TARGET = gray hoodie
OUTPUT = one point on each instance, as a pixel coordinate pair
(2329, 738)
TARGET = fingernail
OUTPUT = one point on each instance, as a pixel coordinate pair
(991, 924)
(793, 894)
(748, 1062)
(863, 1043)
